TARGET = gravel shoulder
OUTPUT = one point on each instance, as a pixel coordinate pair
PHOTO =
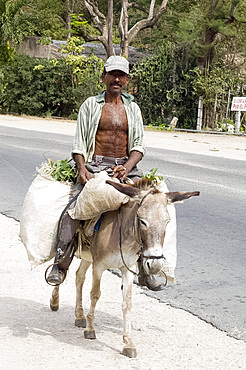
(34, 337)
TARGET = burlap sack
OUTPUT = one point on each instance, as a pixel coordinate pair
(96, 198)
(43, 204)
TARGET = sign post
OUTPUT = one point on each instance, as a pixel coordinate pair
(238, 105)
(199, 114)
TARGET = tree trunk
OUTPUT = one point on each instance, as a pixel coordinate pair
(70, 10)
(110, 28)
(105, 26)
(123, 29)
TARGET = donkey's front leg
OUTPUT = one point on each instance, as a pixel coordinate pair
(89, 332)
(80, 320)
(129, 349)
(54, 300)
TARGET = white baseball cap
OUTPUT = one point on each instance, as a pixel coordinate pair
(114, 63)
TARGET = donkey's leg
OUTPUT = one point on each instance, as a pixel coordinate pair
(80, 320)
(129, 349)
(89, 333)
(54, 300)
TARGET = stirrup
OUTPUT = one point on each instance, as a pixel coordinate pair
(46, 273)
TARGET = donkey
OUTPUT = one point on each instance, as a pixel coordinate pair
(134, 231)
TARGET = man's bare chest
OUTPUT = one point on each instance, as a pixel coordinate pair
(113, 117)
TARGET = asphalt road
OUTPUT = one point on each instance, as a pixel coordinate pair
(210, 273)
(211, 279)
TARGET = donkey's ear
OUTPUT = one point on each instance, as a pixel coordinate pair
(179, 196)
(124, 188)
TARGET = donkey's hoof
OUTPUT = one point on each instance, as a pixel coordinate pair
(130, 352)
(81, 323)
(54, 307)
(90, 334)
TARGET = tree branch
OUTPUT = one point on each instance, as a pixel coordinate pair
(136, 6)
(123, 28)
(86, 35)
(151, 9)
(98, 18)
(62, 20)
(90, 38)
(232, 18)
(120, 26)
(150, 21)
(100, 23)
(95, 8)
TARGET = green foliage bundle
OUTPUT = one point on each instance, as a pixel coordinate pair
(153, 176)
(62, 170)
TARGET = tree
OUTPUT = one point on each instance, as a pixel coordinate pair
(211, 32)
(21, 18)
(71, 7)
(163, 87)
(104, 23)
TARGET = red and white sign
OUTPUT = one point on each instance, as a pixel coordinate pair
(238, 104)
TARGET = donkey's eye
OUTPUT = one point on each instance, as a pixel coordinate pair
(142, 223)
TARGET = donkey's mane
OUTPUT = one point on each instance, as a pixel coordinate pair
(145, 184)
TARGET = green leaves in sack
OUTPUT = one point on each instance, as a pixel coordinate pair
(62, 170)
(151, 175)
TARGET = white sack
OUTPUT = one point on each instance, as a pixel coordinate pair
(170, 240)
(96, 198)
(42, 207)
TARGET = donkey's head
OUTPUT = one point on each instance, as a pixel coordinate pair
(152, 218)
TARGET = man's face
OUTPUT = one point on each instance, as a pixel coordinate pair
(115, 81)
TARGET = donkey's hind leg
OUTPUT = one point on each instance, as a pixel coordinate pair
(54, 300)
(80, 320)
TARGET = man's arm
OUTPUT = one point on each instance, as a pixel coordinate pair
(122, 171)
(83, 173)
(136, 130)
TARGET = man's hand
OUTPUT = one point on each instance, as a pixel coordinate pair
(83, 175)
(120, 172)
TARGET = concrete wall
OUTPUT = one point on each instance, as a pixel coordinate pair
(30, 47)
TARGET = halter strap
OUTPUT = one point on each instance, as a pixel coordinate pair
(120, 242)
(145, 196)
(140, 241)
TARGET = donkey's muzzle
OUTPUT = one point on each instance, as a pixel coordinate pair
(152, 265)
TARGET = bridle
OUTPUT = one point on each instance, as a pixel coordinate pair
(141, 252)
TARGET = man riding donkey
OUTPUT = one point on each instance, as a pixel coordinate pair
(110, 137)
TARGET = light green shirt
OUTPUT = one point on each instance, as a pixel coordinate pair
(88, 121)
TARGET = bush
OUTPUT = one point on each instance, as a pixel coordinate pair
(162, 87)
(43, 87)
